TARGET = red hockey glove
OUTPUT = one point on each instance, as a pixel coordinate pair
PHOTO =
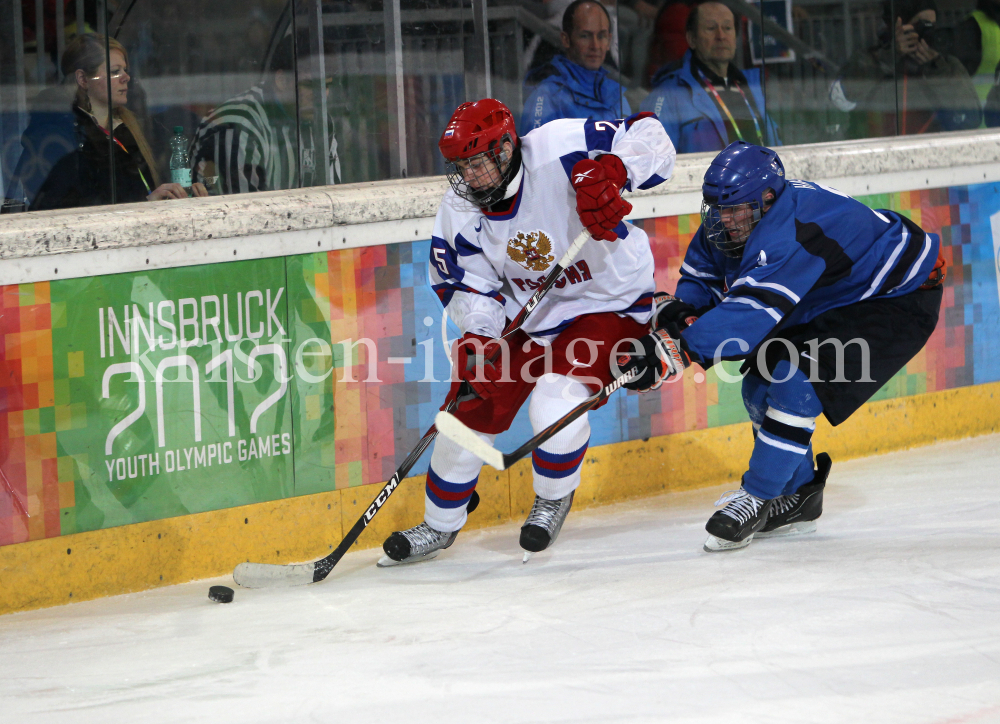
(598, 184)
(660, 358)
(672, 314)
(472, 363)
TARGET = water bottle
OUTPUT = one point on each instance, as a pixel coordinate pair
(180, 172)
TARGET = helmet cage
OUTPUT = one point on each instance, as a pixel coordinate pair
(493, 169)
(730, 239)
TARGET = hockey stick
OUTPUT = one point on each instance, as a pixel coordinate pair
(271, 575)
(455, 430)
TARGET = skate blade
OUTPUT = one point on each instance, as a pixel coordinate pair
(387, 562)
(797, 528)
(719, 545)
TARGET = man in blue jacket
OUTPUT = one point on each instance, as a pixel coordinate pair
(704, 101)
(575, 85)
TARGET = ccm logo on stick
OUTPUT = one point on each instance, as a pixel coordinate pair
(380, 500)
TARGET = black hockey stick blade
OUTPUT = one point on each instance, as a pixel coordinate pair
(276, 575)
(457, 431)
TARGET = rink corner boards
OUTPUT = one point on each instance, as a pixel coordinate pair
(142, 556)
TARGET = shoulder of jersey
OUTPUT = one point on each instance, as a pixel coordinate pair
(552, 140)
(555, 128)
(456, 206)
(814, 198)
(456, 213)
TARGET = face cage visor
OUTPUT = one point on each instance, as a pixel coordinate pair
(484, 181)
(729, 236)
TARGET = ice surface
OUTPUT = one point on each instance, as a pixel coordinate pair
(890, 612)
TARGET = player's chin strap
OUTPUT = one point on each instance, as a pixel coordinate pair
(514, 184)
(510, 179)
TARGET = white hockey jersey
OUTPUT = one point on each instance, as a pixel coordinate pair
(485, 266)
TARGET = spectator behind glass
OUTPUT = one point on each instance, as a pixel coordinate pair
(48, 137)
(931, 89)
(977, 44)
(83, 177)
(704, 101)
(252, 142)
(575, 85)
(669, 36)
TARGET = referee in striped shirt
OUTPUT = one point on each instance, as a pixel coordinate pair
(252, 143)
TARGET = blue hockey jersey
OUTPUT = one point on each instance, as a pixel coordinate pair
(815, 249)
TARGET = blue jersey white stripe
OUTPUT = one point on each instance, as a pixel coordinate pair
(768, 285)
(756, 305)
(889, 264)
(814, 250)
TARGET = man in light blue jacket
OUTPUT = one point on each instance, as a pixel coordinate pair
(575, 85)
(704, 101)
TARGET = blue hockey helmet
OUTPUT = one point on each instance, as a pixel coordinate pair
(733, 193)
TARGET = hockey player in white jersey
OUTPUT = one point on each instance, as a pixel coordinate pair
(514, 207)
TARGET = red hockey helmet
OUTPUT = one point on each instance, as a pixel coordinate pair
(477, 127)
(474, 138)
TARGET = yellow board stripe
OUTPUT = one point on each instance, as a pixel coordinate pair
(147, 555)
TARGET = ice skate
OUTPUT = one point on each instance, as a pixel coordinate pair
(544, 522)
(734, 526)
(797, 513)
(420, 543)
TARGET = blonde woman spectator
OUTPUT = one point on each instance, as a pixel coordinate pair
(83, 177)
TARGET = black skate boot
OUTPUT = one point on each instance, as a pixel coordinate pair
(797, 513)
(543, 524)
(733, 527)
(419, 543)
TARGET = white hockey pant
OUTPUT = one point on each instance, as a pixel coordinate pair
(454, 471)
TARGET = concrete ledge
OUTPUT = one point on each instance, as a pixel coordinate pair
(49, 233)
(160, 553)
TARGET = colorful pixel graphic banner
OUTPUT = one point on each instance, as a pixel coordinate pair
(133, 397)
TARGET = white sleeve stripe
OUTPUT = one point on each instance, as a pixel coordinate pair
(768, 285)
(806, 423)
(695, 273)
(889, 264)
(781, 445)
(755, 305)
(917, 263)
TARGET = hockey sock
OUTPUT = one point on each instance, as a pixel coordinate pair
(556, 464)
(783, 446)
(755, 400)
(803, 474)
(451, 478)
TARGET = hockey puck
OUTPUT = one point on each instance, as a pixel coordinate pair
(220, 594)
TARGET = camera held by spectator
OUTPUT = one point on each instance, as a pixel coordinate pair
(905, 84)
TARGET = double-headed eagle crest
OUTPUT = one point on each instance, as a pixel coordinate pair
(531, 250)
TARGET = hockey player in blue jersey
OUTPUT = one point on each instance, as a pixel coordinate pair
(822, 297)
